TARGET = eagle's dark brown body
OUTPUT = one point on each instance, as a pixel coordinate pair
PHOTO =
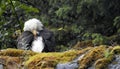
(25, 40)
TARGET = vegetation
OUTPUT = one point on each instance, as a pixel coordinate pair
(79, 20)
(96, 57)
(93, 55)
(81, 27)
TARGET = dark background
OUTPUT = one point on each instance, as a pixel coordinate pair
(70, 20)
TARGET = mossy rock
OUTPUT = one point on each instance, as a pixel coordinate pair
(16, 52)
(42, 60)
(116, 50)
(102, 63)
(50, 60)
(91, 56)
(10, 62)
(100, 56)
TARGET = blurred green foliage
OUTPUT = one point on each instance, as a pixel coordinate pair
(70, 20)
(117, 23)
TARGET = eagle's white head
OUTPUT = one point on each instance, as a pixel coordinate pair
(33, 25)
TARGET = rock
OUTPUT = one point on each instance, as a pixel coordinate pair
(70, 65)
(115, 64)
(98, 57)
(1, 66)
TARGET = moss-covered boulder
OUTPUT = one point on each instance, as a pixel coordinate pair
(91, 56)
(96, 57)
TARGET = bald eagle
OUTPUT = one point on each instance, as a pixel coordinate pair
(35, 37)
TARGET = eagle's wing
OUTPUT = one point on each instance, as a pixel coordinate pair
(25, 40)
(49, 40)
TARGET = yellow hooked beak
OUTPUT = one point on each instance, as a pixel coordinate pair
(34, 33)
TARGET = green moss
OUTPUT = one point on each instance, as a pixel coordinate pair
(42, 60)
(10, 62)
(91, 56)
(16, 52)
(100, 56)
(49, 60)
(103, 62)
(116, 50)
